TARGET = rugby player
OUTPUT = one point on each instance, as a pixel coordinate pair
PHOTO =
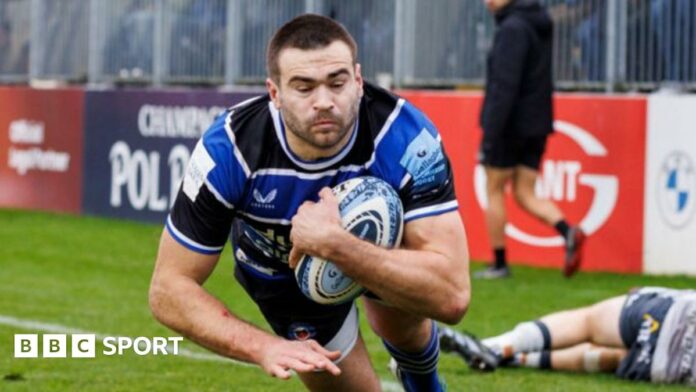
(647, 335)
(260, 176)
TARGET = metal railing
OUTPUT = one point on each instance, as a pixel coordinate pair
(14, 41)
(599, 44)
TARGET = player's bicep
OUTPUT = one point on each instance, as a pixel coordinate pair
(175, 261)
(443, 234)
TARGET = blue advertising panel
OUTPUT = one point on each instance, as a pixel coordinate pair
(137, 145)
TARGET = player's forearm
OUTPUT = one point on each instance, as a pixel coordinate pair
(184, 306)
(418, 281)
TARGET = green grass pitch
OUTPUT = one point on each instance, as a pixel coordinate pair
(92, 274)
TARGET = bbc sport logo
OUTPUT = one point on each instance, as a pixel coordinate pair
(85, 345)
(676, 189)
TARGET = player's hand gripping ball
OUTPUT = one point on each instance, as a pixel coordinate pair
(371, 210)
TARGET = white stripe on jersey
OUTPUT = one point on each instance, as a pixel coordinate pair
(306, 176)
(430, 210)
(245, 102)
(235, 149)
(217, 195)
(182, 237)
(284, 222)
(387, 125)
(405, 180)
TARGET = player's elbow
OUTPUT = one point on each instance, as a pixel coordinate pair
(457, 295)
(455, 307)
(157, 298)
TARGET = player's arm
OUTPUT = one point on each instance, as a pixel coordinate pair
(178, 300)
(429, 276)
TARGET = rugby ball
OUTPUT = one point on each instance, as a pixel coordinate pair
(371, 210)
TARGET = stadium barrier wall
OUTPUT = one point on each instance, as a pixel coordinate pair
(41, 148)
(593, 169)
(670, 191)
(138, 143)
(622, 166)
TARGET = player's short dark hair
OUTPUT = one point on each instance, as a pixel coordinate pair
(306, 32)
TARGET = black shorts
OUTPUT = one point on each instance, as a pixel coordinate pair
(640, 324)
(296, 317)
(510, 151)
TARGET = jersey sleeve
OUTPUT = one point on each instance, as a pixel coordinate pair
(411, 157)
(213, 184)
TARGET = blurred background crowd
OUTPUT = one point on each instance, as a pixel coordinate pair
(620, 45)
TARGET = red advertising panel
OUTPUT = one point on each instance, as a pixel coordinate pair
(41, 148)
(593, 170)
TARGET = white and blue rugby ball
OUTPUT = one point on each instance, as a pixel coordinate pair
(370, 209)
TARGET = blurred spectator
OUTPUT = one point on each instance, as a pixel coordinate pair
(198, 40)
(585, 18)
(591, 36)
(129, 51)
(369, 23)
(641, 65)
(465, 56)
(13, 57)
(63, 48)
(673, 25)
(260, 18)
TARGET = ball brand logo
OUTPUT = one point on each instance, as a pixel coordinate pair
(559, 182)
(676, 189)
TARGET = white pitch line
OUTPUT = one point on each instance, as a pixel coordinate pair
(387, 386)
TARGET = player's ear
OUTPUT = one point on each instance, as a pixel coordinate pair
(273, 92)
(358, 76)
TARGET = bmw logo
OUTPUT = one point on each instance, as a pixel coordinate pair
(676, 189)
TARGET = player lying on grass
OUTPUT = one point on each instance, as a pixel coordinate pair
(260, 176)
(647, 335)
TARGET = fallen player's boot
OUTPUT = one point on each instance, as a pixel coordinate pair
(475, 354)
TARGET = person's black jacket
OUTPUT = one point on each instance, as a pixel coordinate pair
(519, 82)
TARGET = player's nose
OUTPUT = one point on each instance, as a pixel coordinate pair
(323, 99)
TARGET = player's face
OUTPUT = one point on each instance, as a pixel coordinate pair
(318, 94)
(495, 5)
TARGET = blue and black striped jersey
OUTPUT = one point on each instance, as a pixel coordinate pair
(243, 181)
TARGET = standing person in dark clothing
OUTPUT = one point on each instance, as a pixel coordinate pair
(517, 118)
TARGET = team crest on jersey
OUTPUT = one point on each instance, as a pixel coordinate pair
(301, 331)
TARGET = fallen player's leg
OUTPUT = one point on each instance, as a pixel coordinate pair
(598, 323)
(584, 357)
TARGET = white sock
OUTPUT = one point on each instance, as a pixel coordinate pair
(526, 337)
